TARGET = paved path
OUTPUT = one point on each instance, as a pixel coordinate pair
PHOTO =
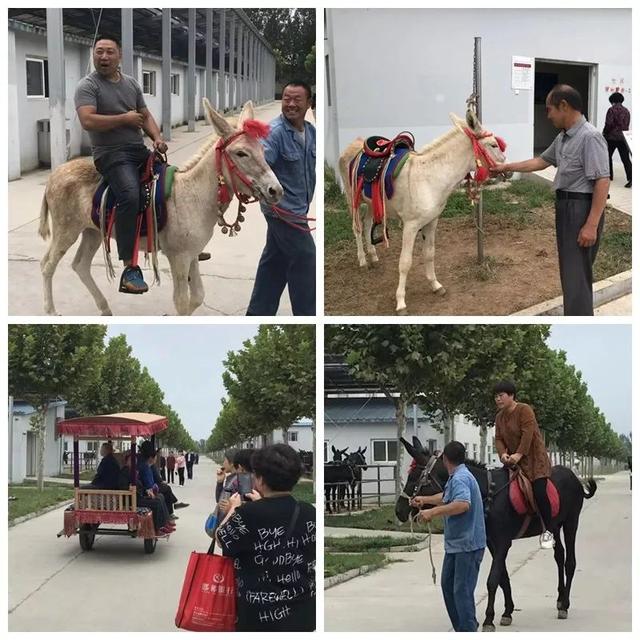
(620, 307)
(228, 277)
(55, 586)
(401, 597)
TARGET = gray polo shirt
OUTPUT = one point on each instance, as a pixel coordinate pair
(581, 155)
(109, 99)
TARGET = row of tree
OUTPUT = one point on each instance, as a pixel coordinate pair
(271, 383)
(72, 361)
(450, 370)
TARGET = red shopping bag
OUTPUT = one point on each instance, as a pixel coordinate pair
(208, 598)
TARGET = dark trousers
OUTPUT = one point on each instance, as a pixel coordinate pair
(576, 263)
(539, 487)
(288, 258)
(190, 471)
(171, 475)
(459, 579)
(623, 150)
(163, 473)
(121, 169)
(169, 497)
(158, 509)
(181, 476)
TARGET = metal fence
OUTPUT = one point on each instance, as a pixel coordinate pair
(342, 499)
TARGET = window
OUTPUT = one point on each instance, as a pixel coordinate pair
(37, 78)
(175, 84)
(149, 83)
(489, 454)
(293, 436)
(385, 450)
(92, 446)
(466, 448)
(475, 451)
(432, 445)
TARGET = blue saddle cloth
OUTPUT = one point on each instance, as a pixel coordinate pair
(160, 170)
(391, 166)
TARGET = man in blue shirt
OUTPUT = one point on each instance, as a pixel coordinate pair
(289, 255)
(464, 536)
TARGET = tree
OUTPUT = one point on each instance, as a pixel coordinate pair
(49, 361)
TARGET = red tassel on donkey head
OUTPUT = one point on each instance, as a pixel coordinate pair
(501, 143)
(256, 128)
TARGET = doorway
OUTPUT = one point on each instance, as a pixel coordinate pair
(548, 73)
(32, 444)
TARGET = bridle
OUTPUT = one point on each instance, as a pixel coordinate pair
(483, 159)
(255, 129)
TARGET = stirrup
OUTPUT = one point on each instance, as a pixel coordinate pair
(377, 239)
(547, 540)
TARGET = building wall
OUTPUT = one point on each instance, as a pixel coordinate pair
(428, 72)
(304, 434)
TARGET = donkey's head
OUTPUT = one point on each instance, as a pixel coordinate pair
(252, 175)
(338, 454)
(357, 458)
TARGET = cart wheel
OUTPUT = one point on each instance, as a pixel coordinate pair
(149, 545)
(87, 536)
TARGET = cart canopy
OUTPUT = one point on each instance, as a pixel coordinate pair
(115, 425)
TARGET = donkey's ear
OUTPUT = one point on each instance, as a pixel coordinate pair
(222, 127)
(410, 450)
(416, 443)
(333, 449)
(246, 113)
(364, 450)
(473, 122)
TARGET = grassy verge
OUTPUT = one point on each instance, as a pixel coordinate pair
(84, 475)
(614, 253)
(29, 499)
(383, 519)
(336, 564)
(304, 491)
(352, 544)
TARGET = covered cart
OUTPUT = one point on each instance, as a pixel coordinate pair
(94, 508)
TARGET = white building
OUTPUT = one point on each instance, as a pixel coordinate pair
(389, 70)
(23, 445)
(299, 434)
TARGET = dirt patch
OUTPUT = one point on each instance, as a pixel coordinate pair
(521, 269)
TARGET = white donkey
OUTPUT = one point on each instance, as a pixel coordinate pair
(192, 210)
(420, 194)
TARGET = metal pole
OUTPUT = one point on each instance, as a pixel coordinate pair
(232, 61)
(166, 74)
(222, 46)
(477, 88)
(191, 73)
(57, 120)
(209, 55)
(127, 41)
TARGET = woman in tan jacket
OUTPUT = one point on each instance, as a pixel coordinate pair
(519, 441)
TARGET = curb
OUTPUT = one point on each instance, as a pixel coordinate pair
(604, 291)
(35, 514)
(351, 574)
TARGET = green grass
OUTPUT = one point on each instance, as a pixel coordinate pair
(84, 475)
(335, 564)
(29, 499)
(614, 253)
(304, 491)
(350, 544)
(383, 519)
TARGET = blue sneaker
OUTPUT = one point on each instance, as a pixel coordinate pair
(132, 281)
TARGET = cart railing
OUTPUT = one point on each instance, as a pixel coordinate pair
(105, 500)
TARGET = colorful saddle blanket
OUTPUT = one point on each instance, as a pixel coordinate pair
(522, 500)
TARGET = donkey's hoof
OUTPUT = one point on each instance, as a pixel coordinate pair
(505, 621)
(563, 614)
(107, 312)
(488, 627)
(440, 292)
(402, 312)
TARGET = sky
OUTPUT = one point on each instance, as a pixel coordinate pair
(186, 361)
(602, 352)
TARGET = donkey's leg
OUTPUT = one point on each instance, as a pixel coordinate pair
(498, 569)
(409, 232)
(357, 234)
(429, 251)
(570, 530)
(368, 223)
(196, 288)
(61, 241)
(180, 265)
(558, 556)
(82, 266)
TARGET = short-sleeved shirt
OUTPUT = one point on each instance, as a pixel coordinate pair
(466, 531)
(581, 156)
(292, 158)
(110, 99)
(275, 575)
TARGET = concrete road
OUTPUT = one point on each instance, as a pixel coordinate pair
(402, 597)
(228, 277)
(55, 586)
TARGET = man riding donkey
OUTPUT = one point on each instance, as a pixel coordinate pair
(111, 107)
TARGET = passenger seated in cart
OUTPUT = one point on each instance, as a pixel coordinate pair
(108, 473)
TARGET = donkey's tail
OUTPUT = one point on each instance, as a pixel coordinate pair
(591, 488)
(43, 229)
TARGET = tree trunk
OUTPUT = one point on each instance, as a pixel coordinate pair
(483, 444)
(313, 455)
(285, 435)
(401, 405)
(39, 425)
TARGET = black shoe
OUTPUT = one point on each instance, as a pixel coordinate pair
(628, 185)
(132, 281)
(180, 505)
(204, 256)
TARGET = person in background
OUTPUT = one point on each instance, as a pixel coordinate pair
(189, 459)
(225, 472)
(171, 466)
(180, 466)
(163, 465)
(617, 121)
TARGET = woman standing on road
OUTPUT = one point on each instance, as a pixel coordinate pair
(181, 465)
(519, 441)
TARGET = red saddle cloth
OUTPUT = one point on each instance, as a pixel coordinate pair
(522, 505)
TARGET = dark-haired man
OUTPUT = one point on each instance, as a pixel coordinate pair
(289, 255)
(464, 536)
(582, 184)
(111, 108)
(617, 121)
